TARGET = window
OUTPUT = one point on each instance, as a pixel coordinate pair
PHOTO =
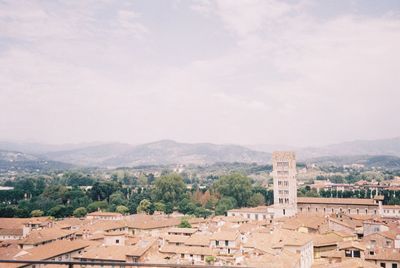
(383, 265)
(226, 242)
(284, 212)
(202, 257)
(182, 255)
(217, 243)
(347, 253)
(394, 265)
(356, 254)
(388, 243)
(117, 241)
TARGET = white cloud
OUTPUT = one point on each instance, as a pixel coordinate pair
(98, 72)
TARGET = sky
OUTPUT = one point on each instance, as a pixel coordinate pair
(303, 73)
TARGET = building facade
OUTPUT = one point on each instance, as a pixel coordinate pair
(285, 183)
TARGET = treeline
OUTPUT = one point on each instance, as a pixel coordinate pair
(63, 196)
(390, 197)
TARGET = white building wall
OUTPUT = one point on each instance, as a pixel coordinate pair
(285, 184)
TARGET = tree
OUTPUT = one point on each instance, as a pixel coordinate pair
(202, 212)
(225, 204)
(118, 198)
(169, 209)
(256, 199)
(184, 224)
(122, 209)
(169, 189)
(97, 205)
(186, 206)
(80, 212)
(159, 206)
(236, 186)
(58, 211)
(37, 213)
(103, 190)
(144, 206)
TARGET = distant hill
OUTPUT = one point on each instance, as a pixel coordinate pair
(92, 155)
(17, 161)
(361, 147)
(39, 148)
(369, 161)
(159, 153)
(166, 152)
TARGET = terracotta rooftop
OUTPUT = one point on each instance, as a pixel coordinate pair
(231, 236)
(339, 201)
(44, 235)
(301, 220)
(198, 240)
(151, 222)
(14, 223)
(176, 238)
(15, 232)
(387, 254)
(326, 239)
(352, 244)
(187, 250)
(259, 209)
(182, 230)
(53, 249)
(104, 214)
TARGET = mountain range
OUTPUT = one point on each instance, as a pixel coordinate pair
(167, 152)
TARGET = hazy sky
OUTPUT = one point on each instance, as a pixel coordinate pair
(286, 72)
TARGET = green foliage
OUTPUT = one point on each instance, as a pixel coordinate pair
(80, 212)
(118, 198)
(159, 206)
(103, 190)
(97, 205)
(225, 204)
(184, 224)
(210, 259)
(236, 186)
(186, 206)
(122, 209)
(37, 213)
(201, 212)
(256, 199)
(58, 211)
(144, 206)
(77, 179)
(169, 188)
(169, 209)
